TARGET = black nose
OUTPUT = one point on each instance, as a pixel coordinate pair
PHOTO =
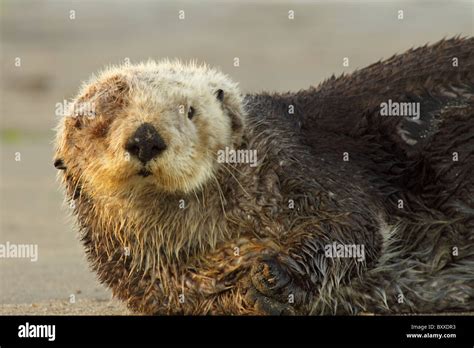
(145, 144)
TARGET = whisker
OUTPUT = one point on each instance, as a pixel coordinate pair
(238, 182)
(221, 194)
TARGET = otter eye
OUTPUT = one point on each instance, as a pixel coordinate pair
(191, 112)
(220, 94)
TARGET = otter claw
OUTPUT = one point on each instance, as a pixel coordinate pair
(273, 290)
(270, 278)
(266, 305)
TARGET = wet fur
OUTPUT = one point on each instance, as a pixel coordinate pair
(192, 251)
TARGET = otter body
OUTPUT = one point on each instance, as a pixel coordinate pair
(343, 210)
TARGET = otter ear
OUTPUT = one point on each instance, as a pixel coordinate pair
(59, 164)
(220, 94)
(232, 104)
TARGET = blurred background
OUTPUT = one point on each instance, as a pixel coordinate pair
(49, 47)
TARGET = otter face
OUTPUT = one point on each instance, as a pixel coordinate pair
(149, 127)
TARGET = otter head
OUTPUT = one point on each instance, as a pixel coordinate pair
(148, 127)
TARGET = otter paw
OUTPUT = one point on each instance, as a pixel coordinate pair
(273, 291)
(266, 305)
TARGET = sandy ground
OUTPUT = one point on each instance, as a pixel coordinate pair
(80, 307)
(57, 52)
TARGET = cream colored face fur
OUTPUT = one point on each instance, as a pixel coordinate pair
(91, 143)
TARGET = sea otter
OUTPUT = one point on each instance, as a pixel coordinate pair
(342, 209)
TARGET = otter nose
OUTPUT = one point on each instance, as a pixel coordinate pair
(145, 144)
